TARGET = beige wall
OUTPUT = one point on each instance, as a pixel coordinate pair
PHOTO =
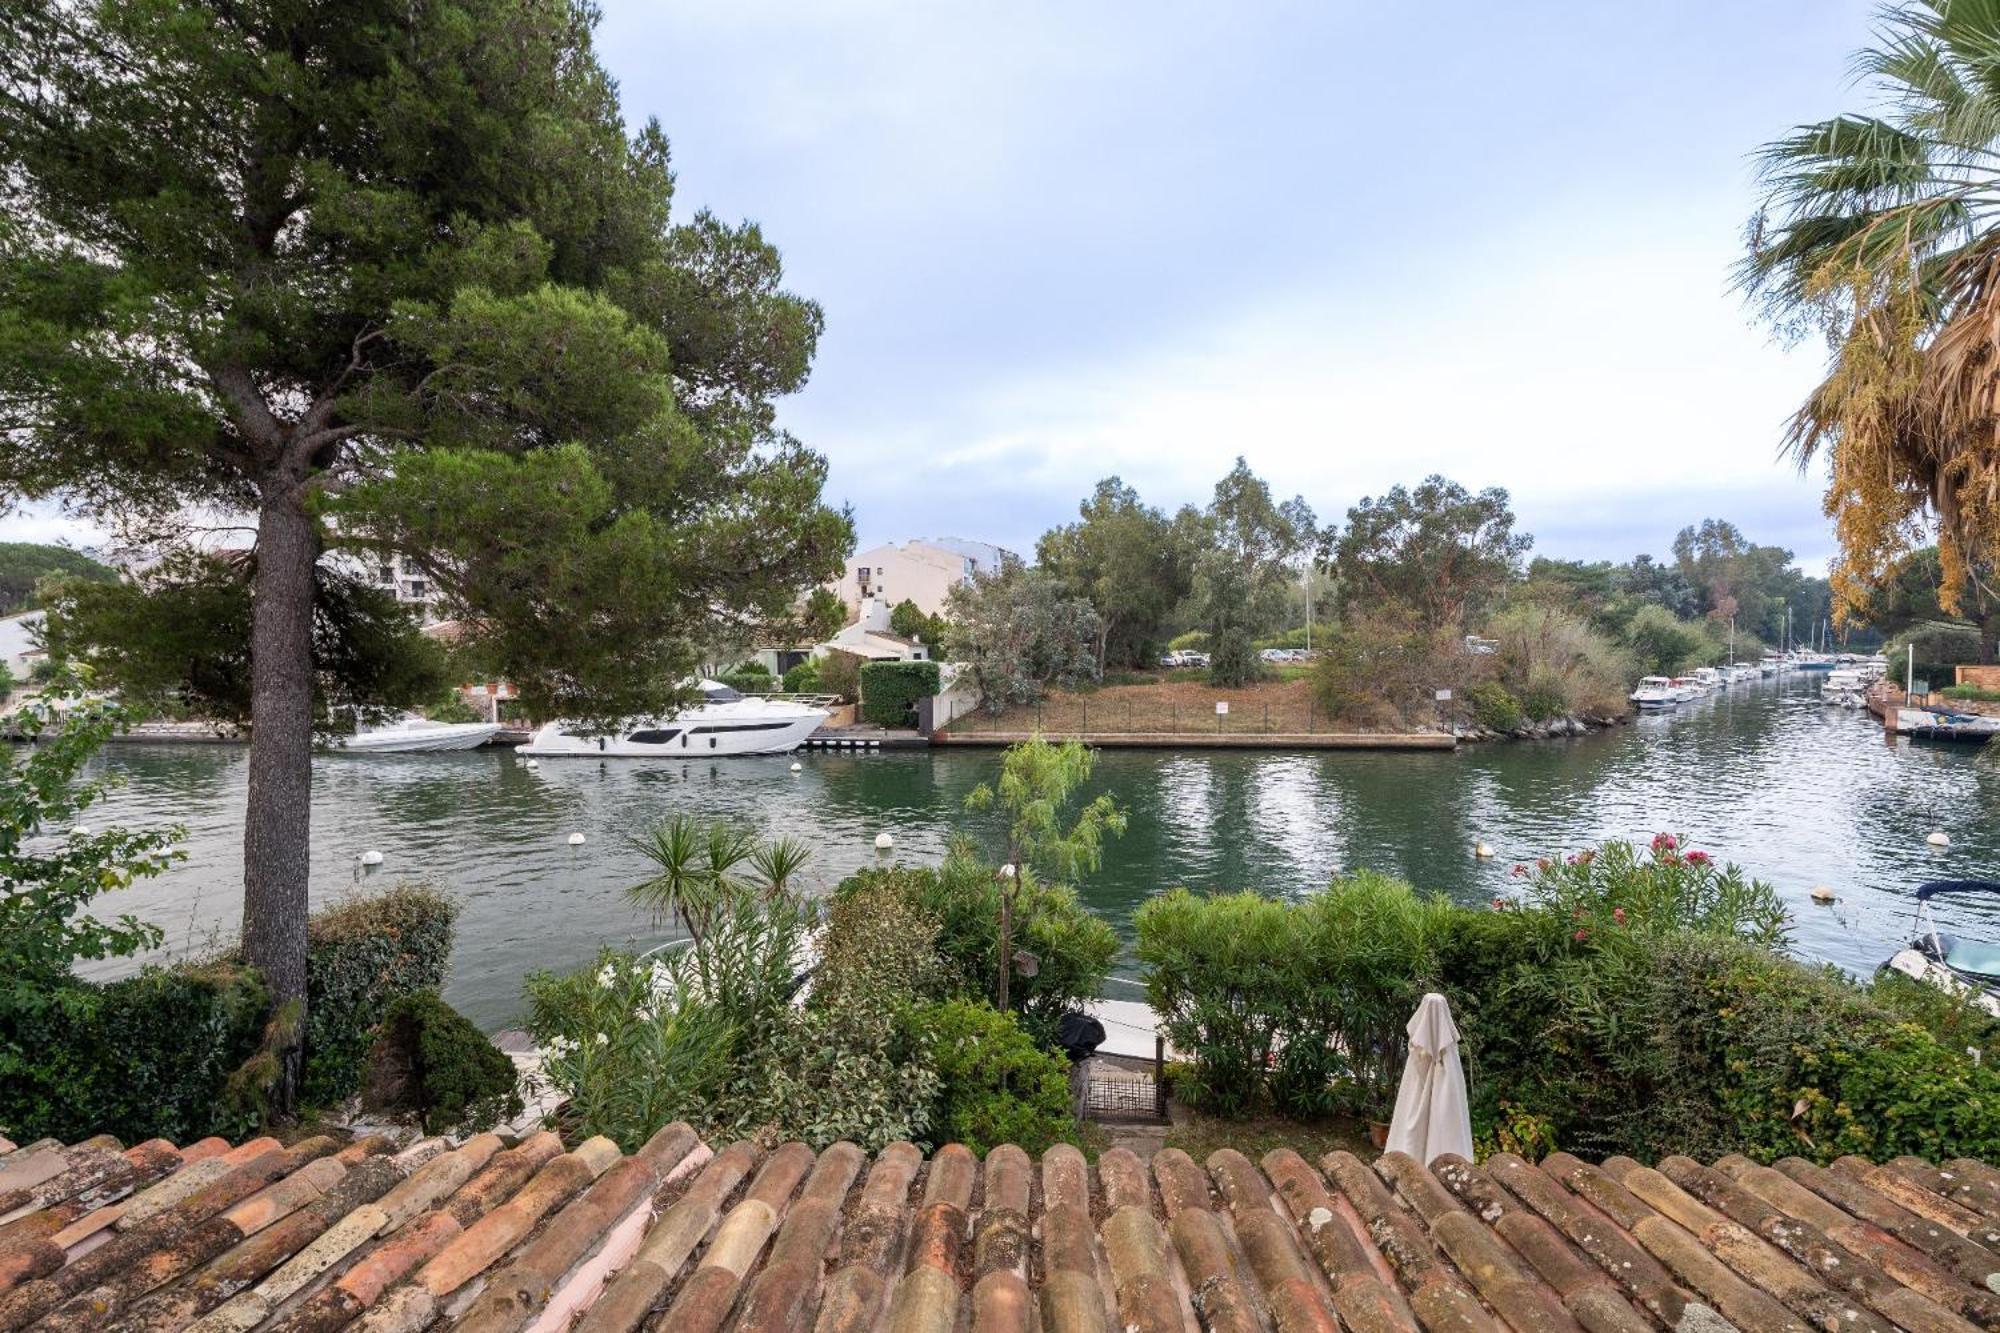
(916, 571)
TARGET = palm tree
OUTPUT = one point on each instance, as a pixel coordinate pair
(696, 865)
(1881, 231)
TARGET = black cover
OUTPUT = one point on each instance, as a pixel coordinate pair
(1079, 1035)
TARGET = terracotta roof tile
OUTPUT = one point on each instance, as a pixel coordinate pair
(495, 1239)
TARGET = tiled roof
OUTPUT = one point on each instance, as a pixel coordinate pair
(494, 1238)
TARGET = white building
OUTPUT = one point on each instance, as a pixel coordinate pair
(19, 649)
(392, 573)
(920, 571)
(870, 638)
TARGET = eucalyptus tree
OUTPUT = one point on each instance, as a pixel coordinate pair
(394, 278)
(1878, 229)
(1253, 548)
(1132, 562)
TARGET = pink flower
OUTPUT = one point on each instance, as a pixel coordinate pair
(1542, 865)
(1664, 842)
(1499, 903)
(1520, 871)
(1697, 858)
(1582, 935)
(1618, 915)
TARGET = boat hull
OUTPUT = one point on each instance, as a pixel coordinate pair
(429, 740)
(696, 734)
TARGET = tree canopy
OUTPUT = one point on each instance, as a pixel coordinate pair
(1016, 632)
(380, 278)
(1252, 549)
(1131, 561)
(1439, 550)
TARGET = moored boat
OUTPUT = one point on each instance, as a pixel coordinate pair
(1654, 692)
(417, 735)
(725, 722)
(1936, 725)
(1956, 966)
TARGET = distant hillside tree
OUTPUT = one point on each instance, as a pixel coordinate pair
(25, 565)
(1439, 550)
(1253, 550)
(1133, 564)
(394, 278)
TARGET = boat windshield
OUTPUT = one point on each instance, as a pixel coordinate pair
(1973, 958)
(716, 692)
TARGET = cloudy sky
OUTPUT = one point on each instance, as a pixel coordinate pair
(1354, 242)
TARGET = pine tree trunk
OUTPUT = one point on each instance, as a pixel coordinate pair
(277, 825)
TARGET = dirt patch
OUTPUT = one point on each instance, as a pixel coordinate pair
(1168, 706)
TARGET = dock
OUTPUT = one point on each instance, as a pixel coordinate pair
(1200, 740)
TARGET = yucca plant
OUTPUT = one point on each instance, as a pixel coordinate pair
(1879, 230)
(696, 870)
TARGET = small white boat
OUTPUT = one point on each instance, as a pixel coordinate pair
(1710, 678)
(1687, 687)
(418, 735)
(724, 723)
(1844, 687)
(1655, 692)
(1956, 966)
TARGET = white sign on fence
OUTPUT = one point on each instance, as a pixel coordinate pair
(1222, 708)
(1444, 696)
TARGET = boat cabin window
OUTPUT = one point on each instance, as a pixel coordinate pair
(719, 694)
(655, 736)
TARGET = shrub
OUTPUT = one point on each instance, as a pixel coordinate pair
(1384, 669)
(361, 955)
(1664, 646)
(1195, 640)
(750, 668)
(1971, 693)
(453, 1077)
(890, 690)
(960, 900)
(1493, 706)
(803, 678)
(749, 682)
(148, 1056)
(995, 1084)
(840, 674)
(453, 708)
(1557, 665)
(1544, 697)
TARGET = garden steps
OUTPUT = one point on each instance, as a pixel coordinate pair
(505, 1235)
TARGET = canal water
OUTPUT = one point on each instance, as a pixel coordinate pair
(1765, 775)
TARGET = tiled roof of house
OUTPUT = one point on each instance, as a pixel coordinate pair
(495, 1238)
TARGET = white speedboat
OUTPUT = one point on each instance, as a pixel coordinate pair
(1655, 692)
(723, 723)
(418, 735)
(1845, 687)
(1956, 966)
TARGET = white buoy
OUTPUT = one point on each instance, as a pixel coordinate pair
(1007, 871)
(1483, 850)
(1822, 894)
(576, 840)
(531, 763)
(798, 767)
(371, 858)
(883, 842)
(79, 831)
(1938, 838)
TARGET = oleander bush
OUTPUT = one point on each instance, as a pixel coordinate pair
(1630, 1000)
(803, 678)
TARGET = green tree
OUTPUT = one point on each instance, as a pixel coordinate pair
(1017, 633)
(1038, 782)
(1439, 550)
(822, 616)
(46, 881)
(1909, 599)
(907, 619)
(393, 278)
(25, 565)
(1252, 550)
(1131, 562)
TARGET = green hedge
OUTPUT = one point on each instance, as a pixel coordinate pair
(749, 682)
(890, 690)
(458, 1081)
(149, 1056)
(1629, 1002)
(177, 1052)
(361, 955)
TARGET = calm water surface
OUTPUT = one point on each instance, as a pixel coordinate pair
(1767, 776)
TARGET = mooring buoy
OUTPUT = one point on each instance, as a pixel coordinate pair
(576, 840)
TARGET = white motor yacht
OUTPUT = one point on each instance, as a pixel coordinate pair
(1655, 692)
(412, 734)
(724, 722)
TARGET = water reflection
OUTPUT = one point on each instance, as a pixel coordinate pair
(1800, 793)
